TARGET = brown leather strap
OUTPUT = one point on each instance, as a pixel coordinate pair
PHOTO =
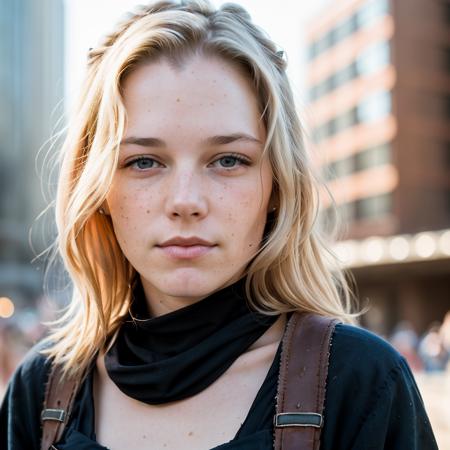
(301, 384)
(59, 396)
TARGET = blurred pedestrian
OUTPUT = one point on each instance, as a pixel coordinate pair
(432, 350)
(405, 340)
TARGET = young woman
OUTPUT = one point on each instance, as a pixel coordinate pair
(187, 218)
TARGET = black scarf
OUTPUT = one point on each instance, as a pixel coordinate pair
(177, 355)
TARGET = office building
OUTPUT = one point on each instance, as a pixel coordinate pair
(31, 92)
(379, 100)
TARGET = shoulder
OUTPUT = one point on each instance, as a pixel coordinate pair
(21, 406)
(34, 367)
(362, 348)
(363, 364)
(26, 386)
(372, 400)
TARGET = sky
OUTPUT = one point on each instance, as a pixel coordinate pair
(283, 20)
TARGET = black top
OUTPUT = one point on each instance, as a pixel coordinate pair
(178, 354)
(372, 403)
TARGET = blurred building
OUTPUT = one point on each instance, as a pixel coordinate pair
(31, 93)
(379, 98)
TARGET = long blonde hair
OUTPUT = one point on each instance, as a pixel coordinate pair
(293, 270)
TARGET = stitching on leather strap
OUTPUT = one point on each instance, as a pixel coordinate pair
(302, 382)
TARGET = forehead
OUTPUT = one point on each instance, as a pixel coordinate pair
(204, 93)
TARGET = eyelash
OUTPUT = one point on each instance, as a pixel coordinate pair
(140, 158)
(239, 158)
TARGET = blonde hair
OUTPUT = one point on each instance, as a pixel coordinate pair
(293, 269)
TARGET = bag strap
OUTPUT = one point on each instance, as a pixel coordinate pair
(300, 396)
(301, 383)
(59, 396)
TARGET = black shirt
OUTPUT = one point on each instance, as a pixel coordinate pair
(372, 402)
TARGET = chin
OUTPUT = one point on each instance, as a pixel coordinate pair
(191, 283)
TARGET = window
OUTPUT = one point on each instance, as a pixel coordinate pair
(345, 28)
(373, 207)
(371, 11)
(345, 75)
(340, 168)
(374, 58)
(371, 109)
(336, 125)
(373, 157)
(363, 17)
(312, 51)
(345, 120)
(374, 107)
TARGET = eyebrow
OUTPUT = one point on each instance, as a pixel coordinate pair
(213, 140)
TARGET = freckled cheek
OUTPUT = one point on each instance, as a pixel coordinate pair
(245, 221)
(129, 214)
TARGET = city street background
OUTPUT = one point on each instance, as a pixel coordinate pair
(371, 79)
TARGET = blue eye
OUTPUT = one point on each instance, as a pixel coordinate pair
(143, 162)
(228, 161)
(231, 161)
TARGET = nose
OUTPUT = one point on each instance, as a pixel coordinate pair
(186, 196)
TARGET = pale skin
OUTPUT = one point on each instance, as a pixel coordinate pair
(201, 173)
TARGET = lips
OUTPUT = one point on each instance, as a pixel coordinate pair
(186, 242)
(186, 248)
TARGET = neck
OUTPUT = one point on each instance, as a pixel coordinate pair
(160, 303)
(272, 336)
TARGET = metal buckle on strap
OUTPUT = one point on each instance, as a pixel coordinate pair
(53, 414)
(298, 419)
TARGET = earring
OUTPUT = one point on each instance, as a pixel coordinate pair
(101, 211)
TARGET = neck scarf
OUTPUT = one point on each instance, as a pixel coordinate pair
(177, 355)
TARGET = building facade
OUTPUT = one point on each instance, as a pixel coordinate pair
(379, 99)
(31, 92)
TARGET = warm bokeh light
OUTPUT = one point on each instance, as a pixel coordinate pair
(444, 243)
(373, 249)
(399, 248)
(425, 245)
(6, 307)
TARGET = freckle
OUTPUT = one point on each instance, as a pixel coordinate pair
(144, 436)
(178, 100)
(250, 245)
(191, 433)
(148, 211)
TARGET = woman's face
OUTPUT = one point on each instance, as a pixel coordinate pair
(190, 196)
